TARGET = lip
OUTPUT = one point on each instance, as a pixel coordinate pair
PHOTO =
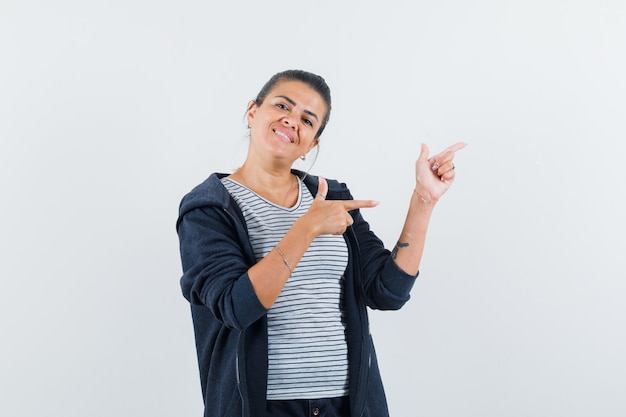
(284, 135)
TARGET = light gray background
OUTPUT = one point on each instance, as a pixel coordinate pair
(111, 110)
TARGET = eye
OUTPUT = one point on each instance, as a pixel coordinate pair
(308, 122)
(282, 106)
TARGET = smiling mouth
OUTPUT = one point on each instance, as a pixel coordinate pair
(284, 136)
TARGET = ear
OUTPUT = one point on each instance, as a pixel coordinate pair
(313, 144)
(251, 111)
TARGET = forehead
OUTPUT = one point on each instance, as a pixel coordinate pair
(301, 93)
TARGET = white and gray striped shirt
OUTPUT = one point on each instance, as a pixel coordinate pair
(308, 355)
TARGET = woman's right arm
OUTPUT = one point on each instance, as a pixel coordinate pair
(269, 275)
(217, 274)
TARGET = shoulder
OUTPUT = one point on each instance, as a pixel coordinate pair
(210, 192)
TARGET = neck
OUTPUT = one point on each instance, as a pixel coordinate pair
(256, 175)
(277, 186)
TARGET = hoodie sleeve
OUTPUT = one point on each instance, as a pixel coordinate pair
(385, 285)
(215, 266)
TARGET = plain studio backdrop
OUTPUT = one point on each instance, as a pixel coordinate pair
(110, 111)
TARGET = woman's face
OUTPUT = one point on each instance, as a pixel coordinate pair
(286, 123)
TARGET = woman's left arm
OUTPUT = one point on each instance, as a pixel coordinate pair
(433, 177)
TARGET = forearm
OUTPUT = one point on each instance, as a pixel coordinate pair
(408, 251)
(269, 275)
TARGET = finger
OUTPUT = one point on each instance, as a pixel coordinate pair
(445, 174)
(357, 204)
(423, 153)
(322, 189)
(446, 156)
(456, 147)
(433, 160)
(449, 174)
(340, 231)
(445, 167)
(447, 178)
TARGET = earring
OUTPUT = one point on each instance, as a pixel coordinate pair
(303, 157)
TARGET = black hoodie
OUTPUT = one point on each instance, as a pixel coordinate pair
(230, 322)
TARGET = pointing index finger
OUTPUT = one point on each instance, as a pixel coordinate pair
(357, 204)
(456, 147)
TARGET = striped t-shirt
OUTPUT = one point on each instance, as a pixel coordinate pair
(307, 351)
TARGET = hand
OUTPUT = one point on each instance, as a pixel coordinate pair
(332, 216)
(435, 174)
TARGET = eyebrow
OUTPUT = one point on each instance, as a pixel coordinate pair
(293, 103)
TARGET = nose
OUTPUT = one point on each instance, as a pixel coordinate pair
(289, 122)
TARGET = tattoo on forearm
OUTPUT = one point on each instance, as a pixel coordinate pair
(394, 252)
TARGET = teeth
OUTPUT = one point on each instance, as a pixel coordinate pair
(283, 135)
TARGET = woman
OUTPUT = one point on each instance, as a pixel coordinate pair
(279, 268)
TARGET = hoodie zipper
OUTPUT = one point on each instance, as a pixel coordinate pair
(241, 389)
(365, 342)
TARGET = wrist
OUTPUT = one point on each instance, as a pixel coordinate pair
(306, 229)
(424, 197)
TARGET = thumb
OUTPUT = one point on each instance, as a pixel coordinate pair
(322, 189)
(423, 153)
